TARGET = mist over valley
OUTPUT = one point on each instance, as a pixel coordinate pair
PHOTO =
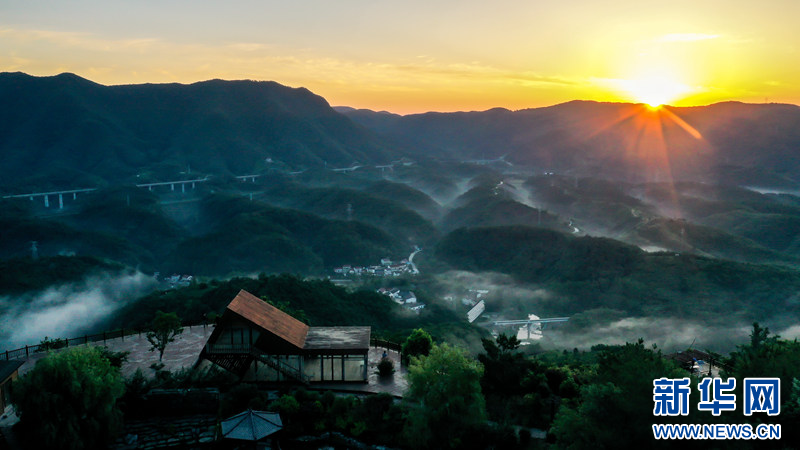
(677, 225)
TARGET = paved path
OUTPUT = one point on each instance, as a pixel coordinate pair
(179, 354)
(395, 385)
(184, 353)
(414, 269)
(185, 350)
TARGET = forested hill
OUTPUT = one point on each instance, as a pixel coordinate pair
(732, 142)
(588, 272)
(65, 130)
(62, 130)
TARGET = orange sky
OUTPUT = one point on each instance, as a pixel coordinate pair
(416, 56)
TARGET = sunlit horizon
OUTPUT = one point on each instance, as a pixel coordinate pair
(419, 56)
(629, 94)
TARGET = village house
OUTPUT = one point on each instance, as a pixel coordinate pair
(408, 297)
(258, 342)
(386, 269)
(9, 371)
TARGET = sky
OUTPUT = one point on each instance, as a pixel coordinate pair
(415, 56)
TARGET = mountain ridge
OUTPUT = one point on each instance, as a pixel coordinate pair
(92, 134)
(86, 131)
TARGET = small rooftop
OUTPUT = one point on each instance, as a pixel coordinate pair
(7, 368)
(689, 356)
(269, 318)
(251, 425)
(337, 338)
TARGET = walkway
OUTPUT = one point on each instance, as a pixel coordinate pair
(184, 351)
(179, 354)
(395, 385)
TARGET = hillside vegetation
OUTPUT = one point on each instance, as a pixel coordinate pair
(317, 302)
(248, 236)
(29, 275)
(590, 272)
(87, 133)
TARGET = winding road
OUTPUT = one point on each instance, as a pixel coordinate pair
(414, 269)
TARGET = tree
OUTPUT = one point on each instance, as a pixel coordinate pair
(622, 393)
(164, 329)
(69, 400)
(508, 343)
(504, 368)
(446, 400)
(514, 386)
(385, 367)
(419, 343)
(769, 356)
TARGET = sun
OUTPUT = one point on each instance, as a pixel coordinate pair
(655, 90)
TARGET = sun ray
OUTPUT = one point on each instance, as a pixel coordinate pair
(682, 123)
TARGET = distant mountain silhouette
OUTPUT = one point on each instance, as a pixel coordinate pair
(66, 129)
(731, 142)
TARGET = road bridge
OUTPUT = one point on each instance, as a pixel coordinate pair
(46, 196)
(244, 178)
(530, 322)
(172, 184)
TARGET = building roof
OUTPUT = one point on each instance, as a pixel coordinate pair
(337, 338)
(269, 318)
(689, 356)
(251, 425)
(7, 368)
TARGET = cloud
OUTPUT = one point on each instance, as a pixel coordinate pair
(507, 298)
(670, 334)
(68, 310)
(687, 37)
(78, 40)
(120, 58)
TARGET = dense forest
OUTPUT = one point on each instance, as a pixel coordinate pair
(555, 212)
(504, 398)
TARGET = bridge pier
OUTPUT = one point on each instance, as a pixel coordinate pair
(46, 196)
(182, 183)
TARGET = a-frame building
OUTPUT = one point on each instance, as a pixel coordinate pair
(259, 342)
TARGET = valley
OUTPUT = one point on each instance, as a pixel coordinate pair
(574, 217)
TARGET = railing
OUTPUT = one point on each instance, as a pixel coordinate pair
(229, 348)
(375, 342)
(281, 366)
(389, 345)
(28, 350)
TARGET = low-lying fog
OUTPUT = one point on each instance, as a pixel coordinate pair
(68, 310)
(510, 300)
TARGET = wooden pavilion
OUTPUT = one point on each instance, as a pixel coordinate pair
(258, 342)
